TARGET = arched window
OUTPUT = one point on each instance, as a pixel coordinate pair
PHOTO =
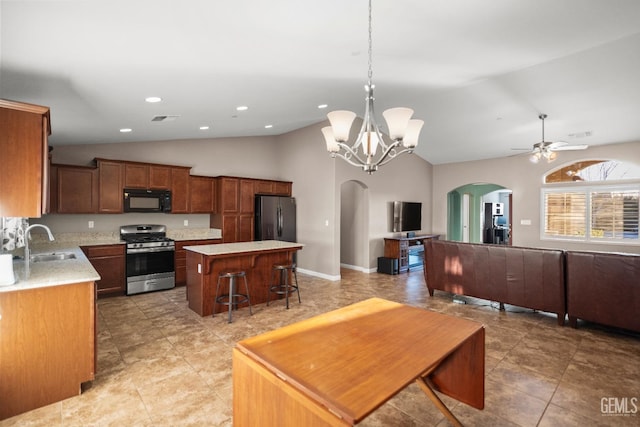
(592, 201)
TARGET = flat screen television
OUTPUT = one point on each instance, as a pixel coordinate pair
(407, 216)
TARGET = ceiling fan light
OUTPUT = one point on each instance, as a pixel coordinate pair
(413, 132)
(535, 157)
(551, 156)
(332, 145)
(397, 120)
(341, 121)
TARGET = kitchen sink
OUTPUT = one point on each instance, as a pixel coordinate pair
(52, 256)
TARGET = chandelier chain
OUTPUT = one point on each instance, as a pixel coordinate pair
(370, 43)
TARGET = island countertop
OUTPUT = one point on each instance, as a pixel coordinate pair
(242, 247)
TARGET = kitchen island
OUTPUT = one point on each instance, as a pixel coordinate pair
(205, 262)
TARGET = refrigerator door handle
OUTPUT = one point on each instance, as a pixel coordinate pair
(279, 221)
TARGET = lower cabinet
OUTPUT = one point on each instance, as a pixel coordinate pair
(47, 345)
(181, 257)
(109, 262)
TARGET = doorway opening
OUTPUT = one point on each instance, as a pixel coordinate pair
(480, 213)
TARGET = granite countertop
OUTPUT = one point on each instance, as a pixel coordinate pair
(78, 269)
(65, 240)
(53, 273)
(239, 247)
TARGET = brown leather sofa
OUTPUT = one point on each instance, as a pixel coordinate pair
(604, 287)
(526, 277)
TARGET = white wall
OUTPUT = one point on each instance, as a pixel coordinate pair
(525, 180)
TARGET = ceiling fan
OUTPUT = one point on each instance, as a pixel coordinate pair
(547, 150)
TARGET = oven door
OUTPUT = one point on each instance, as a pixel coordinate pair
(150, 269)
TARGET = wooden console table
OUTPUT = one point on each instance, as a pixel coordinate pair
(336, 368)
(400, 247)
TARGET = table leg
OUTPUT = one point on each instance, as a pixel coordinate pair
(422, 382)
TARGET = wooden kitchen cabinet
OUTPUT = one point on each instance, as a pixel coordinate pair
(24, 175)
(147, 176)
(246, 196)
(236, 202)
(229, 195)
(77, 189)
(110, 263)
(179, 190)
(261, 186)
(181, 257)
(110, 184)
(136, 175)
(202, 194)
(282, 188)
(159, 177)
(47, 345)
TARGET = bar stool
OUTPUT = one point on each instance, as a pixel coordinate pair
(234, 297)
(283, 286)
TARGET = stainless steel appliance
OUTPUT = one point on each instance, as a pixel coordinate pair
(150, 258)
(140, 200)
(275, 218)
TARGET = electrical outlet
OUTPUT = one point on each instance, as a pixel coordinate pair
(186, 222)
(525, 222)
(91, 224)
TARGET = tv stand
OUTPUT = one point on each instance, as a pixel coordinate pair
(401, 248)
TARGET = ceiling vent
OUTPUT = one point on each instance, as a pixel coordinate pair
(164, 118)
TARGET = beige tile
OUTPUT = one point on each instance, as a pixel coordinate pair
(160, 364)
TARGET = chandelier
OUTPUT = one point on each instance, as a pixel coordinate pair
(403, 131)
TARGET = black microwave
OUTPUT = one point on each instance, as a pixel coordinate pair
(138, 200)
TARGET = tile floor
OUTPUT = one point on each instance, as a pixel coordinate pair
(160, 364)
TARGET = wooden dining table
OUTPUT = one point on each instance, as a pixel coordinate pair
(337, 368)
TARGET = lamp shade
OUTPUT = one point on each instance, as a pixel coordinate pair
(341, 121)
(332, 145)
(397, 120)
(413, 132)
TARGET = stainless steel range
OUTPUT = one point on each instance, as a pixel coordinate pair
(150, 258)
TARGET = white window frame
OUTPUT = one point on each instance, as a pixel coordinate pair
(587, 188)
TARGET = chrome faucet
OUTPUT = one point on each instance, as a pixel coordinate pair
(27, 237)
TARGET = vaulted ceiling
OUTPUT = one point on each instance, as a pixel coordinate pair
(477, 72)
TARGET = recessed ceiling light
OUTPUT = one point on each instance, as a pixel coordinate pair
(125, 130)
(153, 99)
(204, 127)
(242, 108)
(268, 126)
(321, 106)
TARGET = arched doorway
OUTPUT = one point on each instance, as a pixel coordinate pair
(471, 210)
(354, 226)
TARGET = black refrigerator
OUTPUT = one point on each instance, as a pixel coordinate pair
(275, 218)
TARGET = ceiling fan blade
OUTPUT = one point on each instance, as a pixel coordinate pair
(557, 144)
(520, 149)
(570, 147)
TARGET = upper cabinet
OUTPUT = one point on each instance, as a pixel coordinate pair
(202, 194)
(147, 176)
(110, 188)
(76, 189)
(24, 175)
(179, 189)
